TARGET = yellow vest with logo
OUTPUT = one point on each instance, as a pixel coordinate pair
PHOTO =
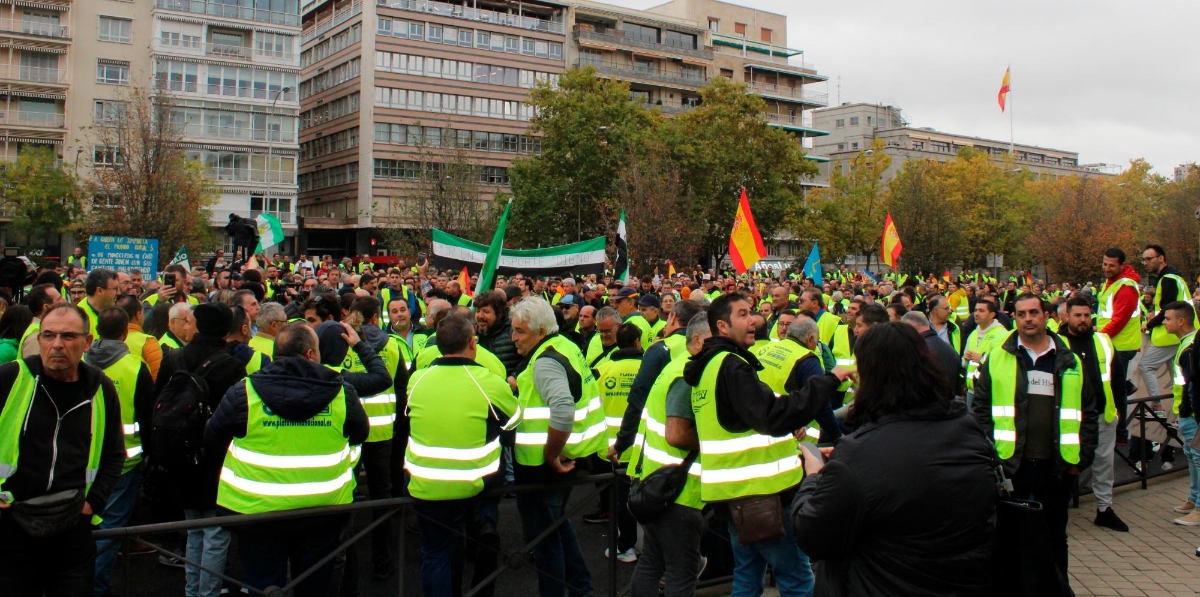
(616, 379)
(1003, 368)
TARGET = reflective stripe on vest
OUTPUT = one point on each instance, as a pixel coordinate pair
(284, 465)
(652, 436)
(616, 379)
(739, 464)
(778, 361)
(380, 408)
(1130, 336)
(982, 345)
(1003, 369)
(124, 375)
(1177, 371)
(587, 434)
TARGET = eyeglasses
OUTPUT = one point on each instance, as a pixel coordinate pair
(50, 336)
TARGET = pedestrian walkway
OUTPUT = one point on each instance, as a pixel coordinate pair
(1156, 558)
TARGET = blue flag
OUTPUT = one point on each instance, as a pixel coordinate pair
(812, 267)
(873, 277)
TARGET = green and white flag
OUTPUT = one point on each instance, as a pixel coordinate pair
(182, 257)
(270, 232)
(487, 274)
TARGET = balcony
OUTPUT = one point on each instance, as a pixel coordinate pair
(785, 93)
(234, 174)
(32, 119)
(227, 92)
(337, 18)
(38, 29)
(33, 74)
(476, 14)
(230, 11)
(668, 109)
(239, 133)
(796, 124)
(220, 217)
(629, 42)
(629, 71)
(220, 51)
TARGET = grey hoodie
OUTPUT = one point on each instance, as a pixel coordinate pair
(104, 353)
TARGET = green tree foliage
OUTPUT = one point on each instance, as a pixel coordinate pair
(590, 133)
(726, 144)
(924, 215)
(44, 196)
(851, 211)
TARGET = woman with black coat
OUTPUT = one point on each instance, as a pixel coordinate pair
(906, 504)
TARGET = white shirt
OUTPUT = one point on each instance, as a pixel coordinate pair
(1035, 355)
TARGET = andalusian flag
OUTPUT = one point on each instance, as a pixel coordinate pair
(622, 264)
(487, 274)
(464, 282)
(890, 246)
(270, 232)
(1004, 88)
(182, 258)
(745, 243)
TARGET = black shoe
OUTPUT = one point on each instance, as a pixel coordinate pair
(383, 571)
(1109, 520)
(596, 517)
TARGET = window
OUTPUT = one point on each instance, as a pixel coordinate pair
(739, 29)
(274, 45)
(105, 157)
(939, 146)
(435, 34)
(839, 123)
(178, 76)
(556, 49)
(114, 29)
(527, 46)
(680, 40)
(112, 74)
(841, 146)
(766, 35)
(109, 111)
(918, 145)
(853, 121)
(870, 120)
(714, 25)
(854, 145)
(727, 73)
(692, 71)
(40, 23)
(640, 32)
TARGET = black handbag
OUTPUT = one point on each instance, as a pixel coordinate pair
(48, 515)
(650, 496)
(1024, 564)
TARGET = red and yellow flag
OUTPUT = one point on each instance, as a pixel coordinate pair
(946, 275)
(464, 282)
(670, 269)
(1004, 88)
(890, 246)
(745, 243)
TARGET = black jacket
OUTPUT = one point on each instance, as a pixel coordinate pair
(293, 388)
(69, 455)
(981, 407)
(654, 360)
(905, 506)
(947, 360)
(197, 489)
(745, 403)
(498, 341)
(1170, 294)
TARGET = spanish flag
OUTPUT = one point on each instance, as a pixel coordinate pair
(946, 275)
(1004, 88)
(745, 243)
(464, 282)
(670, 269)
(890, 246)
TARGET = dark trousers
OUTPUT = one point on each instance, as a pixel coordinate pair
(1120, 373)
(59, 566)
(377, 460)
(442, 548)
(1039, 480)
(627, 525)
(268, 548)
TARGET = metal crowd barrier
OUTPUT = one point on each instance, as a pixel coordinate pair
(512, 559)
(1144, 413)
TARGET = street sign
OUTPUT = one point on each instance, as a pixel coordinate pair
(124, 253)
(995, 260)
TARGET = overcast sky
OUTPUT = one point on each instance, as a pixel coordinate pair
(1112, 80)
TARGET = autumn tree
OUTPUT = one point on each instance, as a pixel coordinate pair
(726, 144)
(1077, 219)
(143, 183)
(44, 197)
(660, 211)
(850, 213)
(922, 209)
(1172, 221)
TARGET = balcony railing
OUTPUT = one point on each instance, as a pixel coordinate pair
(197, 47)
(219, 91)
(32, 28)
(668, 108)
(230, 11)
(799, 93)
(38, 119)
(35, 74)
(337, 18)
(630, 71)
(476, 14)
(221, 216)
(239, 133)
(648, 45)
(235, 174)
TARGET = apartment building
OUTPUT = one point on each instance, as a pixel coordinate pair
(855, 126)
(411, 77)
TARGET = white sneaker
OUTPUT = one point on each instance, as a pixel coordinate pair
(628, 556)
(1191, 520)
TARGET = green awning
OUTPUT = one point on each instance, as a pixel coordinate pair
(795, 128)
(787, 71)
(816, 158)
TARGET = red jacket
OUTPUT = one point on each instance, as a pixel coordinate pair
(1124, 302)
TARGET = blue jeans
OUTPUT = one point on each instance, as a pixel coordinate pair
(442, 548)
(1187, 429)
(116, 514)
(793, 573)
(209, 547)
(558, 556)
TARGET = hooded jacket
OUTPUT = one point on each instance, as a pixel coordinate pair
(243, 353)
(333, 351)
(293, 388)
(744, 403)
(498, 340)
(55, 454)
(1124, 303)
(377, 339)
(103, 354)
(877, 532)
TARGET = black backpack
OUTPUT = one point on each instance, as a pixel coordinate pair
(180, 414)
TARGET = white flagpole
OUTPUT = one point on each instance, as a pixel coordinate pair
(1008, 99)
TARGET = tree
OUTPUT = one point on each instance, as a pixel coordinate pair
(1077, 220)
(1172, 222)
(726, 144)
(445, 193)
(590, 133)
(45, 197)
(143, 183)
(660, 212)
(851, 210)
(922, 209)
